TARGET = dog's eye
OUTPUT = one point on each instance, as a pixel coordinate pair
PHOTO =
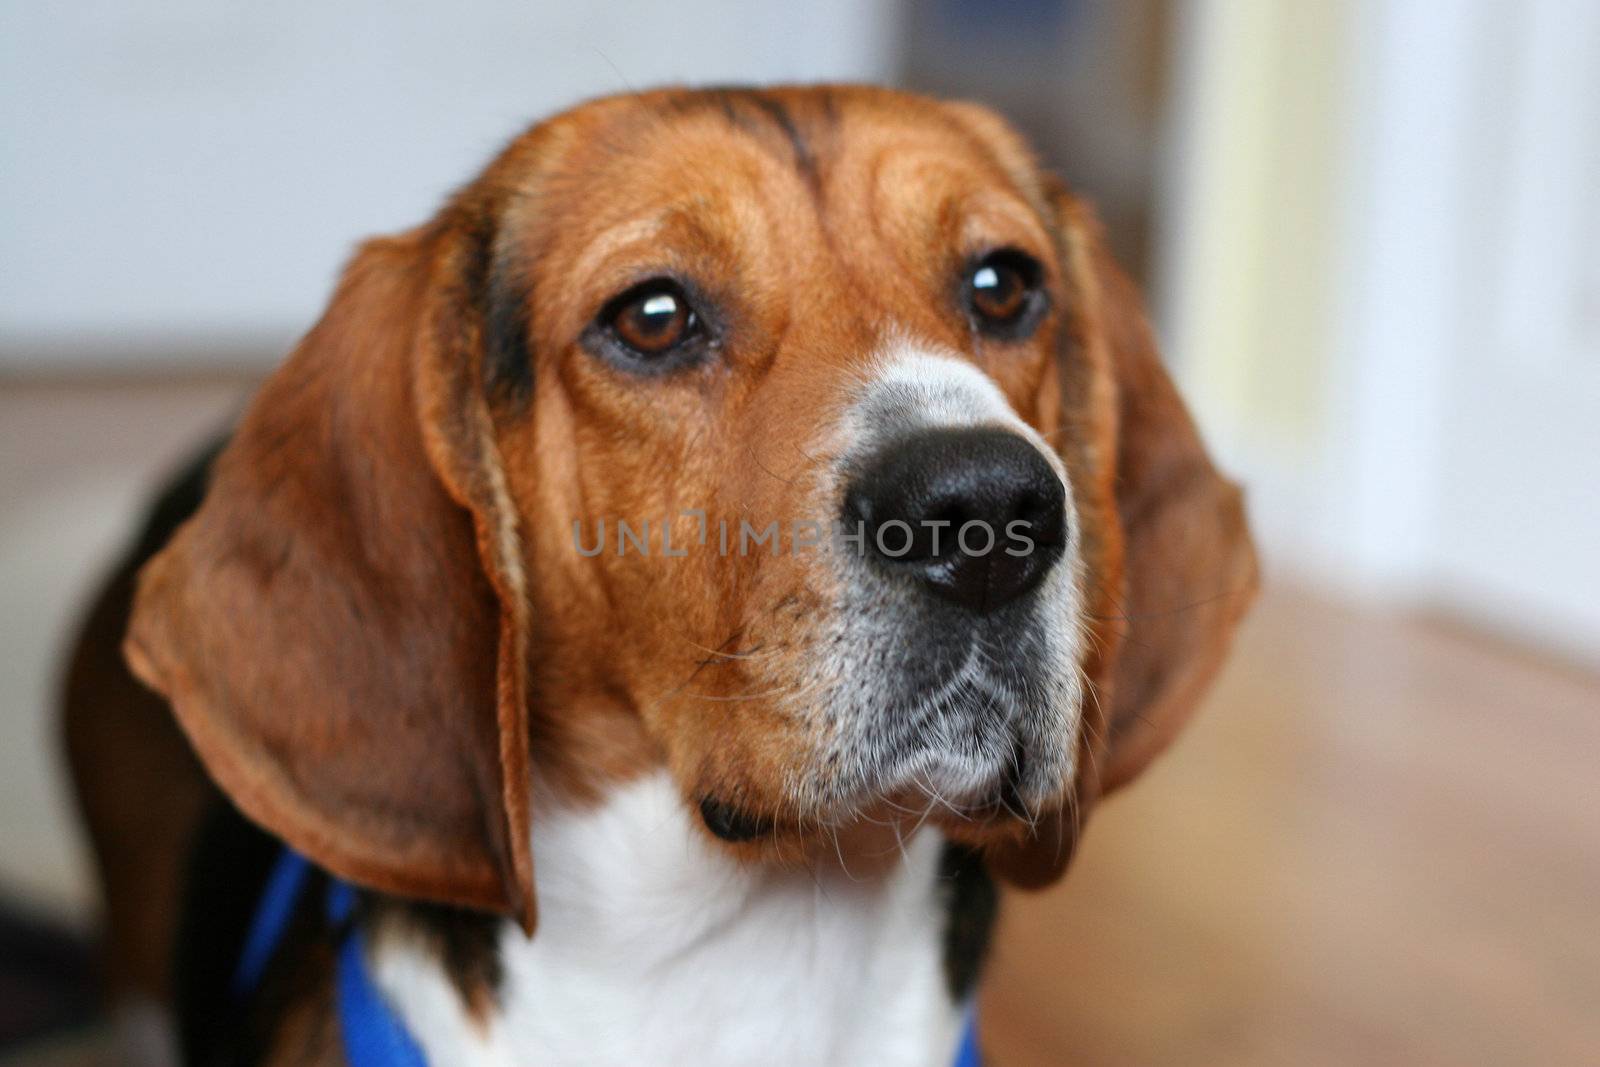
(652, 319)
(1003, 294)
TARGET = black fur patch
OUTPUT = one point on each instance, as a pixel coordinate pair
(730, 97)
(227, 872)
(180, 498)
(804, 161)
(467, 943)
(495, 293)
(507, 356)
(971, 906)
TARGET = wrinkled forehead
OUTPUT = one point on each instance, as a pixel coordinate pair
(781, 175)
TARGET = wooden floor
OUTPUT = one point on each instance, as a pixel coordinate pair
(1380, 844)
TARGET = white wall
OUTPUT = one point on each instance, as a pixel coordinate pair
(1383, 289)
(180, 179)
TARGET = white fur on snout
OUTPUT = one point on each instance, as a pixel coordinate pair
(951, 731)
(920, 388)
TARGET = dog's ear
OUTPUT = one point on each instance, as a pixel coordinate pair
(342, 627)
(1189, 567)
(1173, 565)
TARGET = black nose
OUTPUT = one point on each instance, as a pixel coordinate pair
(975, 514)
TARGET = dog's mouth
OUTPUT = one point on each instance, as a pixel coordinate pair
(1004, 797)
(1001, 802)
(990, 738)
(1007, 787)
(944, 792)
(971, 728)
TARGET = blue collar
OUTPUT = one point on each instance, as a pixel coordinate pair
(372, 1033)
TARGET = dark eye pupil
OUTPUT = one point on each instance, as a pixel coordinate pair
(999, 291)
(655, 314)
(653, 320)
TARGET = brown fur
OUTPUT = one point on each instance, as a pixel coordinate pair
(377, 629)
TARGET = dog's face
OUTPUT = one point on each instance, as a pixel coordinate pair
(810, 333)
(803, 440)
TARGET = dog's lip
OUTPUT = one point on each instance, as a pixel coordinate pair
(998, 794)
(733, 823)
(1001, 803)
(998, 801)
(995, 798)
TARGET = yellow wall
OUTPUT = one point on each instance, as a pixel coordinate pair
(1253, 285)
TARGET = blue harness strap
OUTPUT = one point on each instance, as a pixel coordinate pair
(372, 1034)
(967, 1052)
(278, 898)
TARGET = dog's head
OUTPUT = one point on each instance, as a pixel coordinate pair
(806, 442)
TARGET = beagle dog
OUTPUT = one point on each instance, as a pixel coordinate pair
(664, 591)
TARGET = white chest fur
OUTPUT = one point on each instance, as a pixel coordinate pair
(656, 948)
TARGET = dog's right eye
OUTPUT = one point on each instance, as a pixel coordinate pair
(652, 320)
(1003, 294)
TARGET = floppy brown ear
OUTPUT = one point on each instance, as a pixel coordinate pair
(1172, 567)
(1189, 566)
(342, 627)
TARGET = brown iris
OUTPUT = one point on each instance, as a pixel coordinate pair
(1003, 292)
(652, 319)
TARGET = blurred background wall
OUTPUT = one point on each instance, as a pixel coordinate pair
(183, 179)
(1382, 281)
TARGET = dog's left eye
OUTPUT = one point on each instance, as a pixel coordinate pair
(651, 320)
(1003, 294)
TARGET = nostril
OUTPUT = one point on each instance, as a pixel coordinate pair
(952, 516)
(1042, 512)
(1029, 507)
